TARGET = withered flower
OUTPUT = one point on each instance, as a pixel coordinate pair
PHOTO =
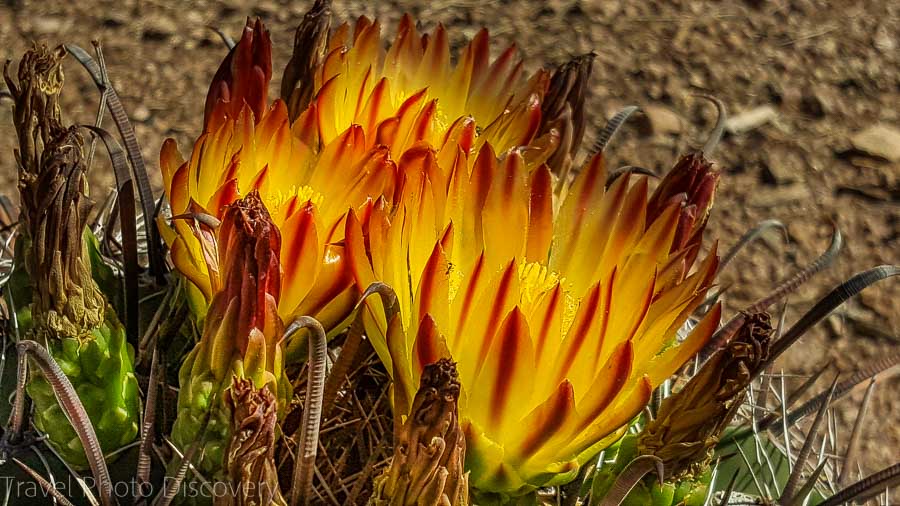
(690, 422)
(55, 205)
(69, 313)
(36, 112)
(250, 457)
(430, 447)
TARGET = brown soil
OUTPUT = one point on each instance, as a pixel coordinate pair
(828, 69)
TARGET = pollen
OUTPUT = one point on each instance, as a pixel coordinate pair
(276, 199)
(536, 279)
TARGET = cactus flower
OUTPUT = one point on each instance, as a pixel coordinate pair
(562, 321)
(250, 145)
(362, 120)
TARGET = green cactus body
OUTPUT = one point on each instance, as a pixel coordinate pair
(101, 368)
(649, 492)
(200, 401)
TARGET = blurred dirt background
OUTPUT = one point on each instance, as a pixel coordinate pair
(813, 88)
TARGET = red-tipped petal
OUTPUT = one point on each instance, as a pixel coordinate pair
(540, 216)
(243, 77)
(608, 382)
(429, 347)
(301, 256)
(670, 360)
(545, 421)
(501, 393)
(505, 216)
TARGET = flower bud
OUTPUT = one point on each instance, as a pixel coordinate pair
(244, 75)
(241, 331)
(692, 182)
(563, 109)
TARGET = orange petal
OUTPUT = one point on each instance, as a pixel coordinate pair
(574, 218)
(395, 355)
(471, 66)
(631, 295)
(500, 395)
(626, 406)
(301, 257)
(432, 296)
(505, 216)
(516, 127)
(466, 298)
(377, 108)
(340, 37)
(670, 360)
(488, 94)
(460, 136)
(474, 338)
(306, 127)
(179, 193)
(386, 132)
(355, 249)
(333, 281)
(628, 228)
(544, 422)
(169, 161)
(407, 115)
(430, 346)
(337, 156)
(405, 52)
(540, 216)
(578, 351)
(186, 264)
(435, 63)
(608, 382)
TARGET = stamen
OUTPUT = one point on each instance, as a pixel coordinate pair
(277, 198)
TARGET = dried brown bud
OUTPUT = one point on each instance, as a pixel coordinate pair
(250, 457)
(310, 42)
(430, 447)
(54, 200)
(690, 422)
(563, 109)
(36, 112)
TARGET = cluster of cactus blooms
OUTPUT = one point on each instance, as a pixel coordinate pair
(530, 304)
